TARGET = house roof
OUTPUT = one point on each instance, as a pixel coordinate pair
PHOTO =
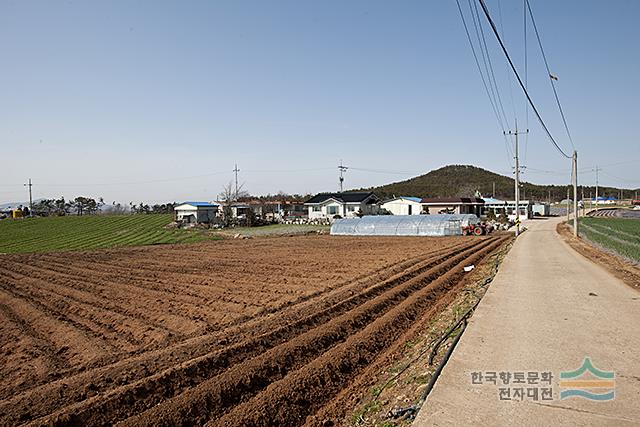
(341, 197)
(453, 201)
(413, 199)
(493, 201)
(201, 204)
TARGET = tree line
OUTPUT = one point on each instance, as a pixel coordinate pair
(83, 205)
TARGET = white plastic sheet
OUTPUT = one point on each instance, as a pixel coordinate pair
(403, 225)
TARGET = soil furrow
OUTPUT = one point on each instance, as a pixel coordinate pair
(247, 378)
(292, 400)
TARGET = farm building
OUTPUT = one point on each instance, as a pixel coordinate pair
(403, 205)
(196, 212)
(275, 211)
(541, 209)
(453, 205)
(603, 200)
(404, 225)
(345, 205)
(495, 205)
(239, 210)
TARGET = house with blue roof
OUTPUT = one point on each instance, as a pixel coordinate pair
(197, 212)
(403, 205)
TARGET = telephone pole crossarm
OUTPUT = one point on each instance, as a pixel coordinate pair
(342, 168)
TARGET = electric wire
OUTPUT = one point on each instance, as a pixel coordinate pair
(551, 79)
(484, 82)
(526, 79)
(513, 104)
(475, 56)
(515, 71)
(485, 52)
(631, 181)
(388, 172)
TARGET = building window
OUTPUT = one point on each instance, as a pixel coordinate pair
(317, 209)
(351, 208)
(332, 210)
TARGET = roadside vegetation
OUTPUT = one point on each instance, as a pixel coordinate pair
(620, 235)
(63, 233)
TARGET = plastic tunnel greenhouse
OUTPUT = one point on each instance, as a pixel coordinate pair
(403, 225)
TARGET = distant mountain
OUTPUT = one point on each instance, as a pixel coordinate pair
(465, 180)
(7, 205)
(12, 205)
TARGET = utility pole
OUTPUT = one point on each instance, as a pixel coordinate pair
(574, 176)
(342, 169)
(30, 197)
(236, 170)
(597, 170)
(517, 180)
(568, 205)
(494, 190)
(549, 198)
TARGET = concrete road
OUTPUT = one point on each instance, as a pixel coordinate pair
(547, 310)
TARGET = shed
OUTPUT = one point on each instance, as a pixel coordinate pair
(196, 212)
(403, 205)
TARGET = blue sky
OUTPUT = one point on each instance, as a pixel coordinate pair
(156, 100)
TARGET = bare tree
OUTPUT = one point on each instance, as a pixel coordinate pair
(228, 196)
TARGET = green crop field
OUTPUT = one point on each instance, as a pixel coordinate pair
(90, 232)
(620, 235)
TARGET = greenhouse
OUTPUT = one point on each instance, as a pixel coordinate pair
(403, 225)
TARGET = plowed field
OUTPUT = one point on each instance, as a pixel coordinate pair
(251, 332)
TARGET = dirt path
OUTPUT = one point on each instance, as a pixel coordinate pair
(547, 310)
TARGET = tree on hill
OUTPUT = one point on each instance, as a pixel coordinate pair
(464, 180)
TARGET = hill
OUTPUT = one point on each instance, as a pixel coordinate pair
(61, 233)
(465, 180)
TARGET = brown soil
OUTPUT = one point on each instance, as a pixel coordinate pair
(262, 332)
(619, 267)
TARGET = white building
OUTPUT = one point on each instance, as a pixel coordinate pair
(509, 206)
(196, 212)
(344, 205)
(541, 209)
(403, 205)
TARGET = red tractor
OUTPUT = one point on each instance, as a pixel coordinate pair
(478, 229)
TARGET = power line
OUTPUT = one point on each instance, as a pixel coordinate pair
(515, 71)
(388, 172)
(631, 181)
(513, 104)
(551, 76)
(485, 53)
(526, 77)
(493, 102)
(475, 56)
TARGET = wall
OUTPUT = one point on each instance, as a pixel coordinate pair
(401, 207)
(184, 212)
(435, 209)
(202, 215)
(349, 210)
